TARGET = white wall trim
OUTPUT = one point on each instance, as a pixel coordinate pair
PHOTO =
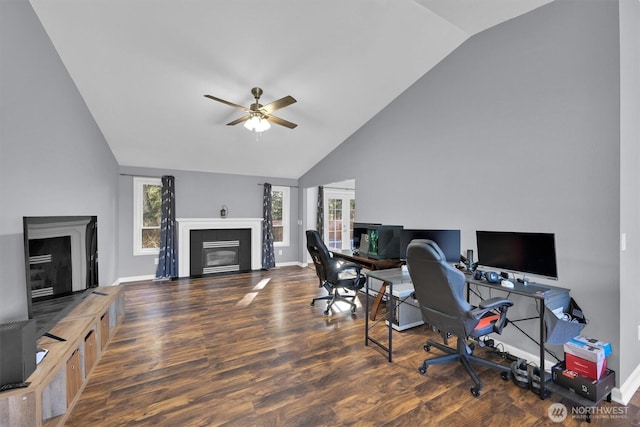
(625, 392)
(290, 263)
(133, 279)
(185, 225)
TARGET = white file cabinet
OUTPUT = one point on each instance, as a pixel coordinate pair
(406, 313)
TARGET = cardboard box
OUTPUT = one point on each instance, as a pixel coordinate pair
(584, 351)
(586, 368)
(594, 390)
(594, 342)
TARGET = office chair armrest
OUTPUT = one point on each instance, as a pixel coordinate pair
(342, 266)
(495, 302)
(490, 304)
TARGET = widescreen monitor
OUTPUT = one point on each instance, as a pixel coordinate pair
(447, 240)
(526, 253)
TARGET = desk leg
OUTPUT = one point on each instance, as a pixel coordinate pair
(377, 301)
(390, 308)
(366, 312)
(544, 393)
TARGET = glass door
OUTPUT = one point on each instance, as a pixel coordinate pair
(340, 212)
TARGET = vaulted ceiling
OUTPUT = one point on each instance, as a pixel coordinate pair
(144, 66)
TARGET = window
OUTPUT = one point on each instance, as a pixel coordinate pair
(280, 211)
(147, 214)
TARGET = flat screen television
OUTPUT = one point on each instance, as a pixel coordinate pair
(447, 240)
(61, 264)
(526, 253)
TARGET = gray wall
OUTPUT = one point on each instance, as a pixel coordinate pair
(53, 158)
(517, 130)
(201, 195)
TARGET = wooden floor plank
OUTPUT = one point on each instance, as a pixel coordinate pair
(249, 350)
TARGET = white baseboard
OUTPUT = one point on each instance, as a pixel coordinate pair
(626, 391)
(529, 357)
(290, 263)
(134, 279)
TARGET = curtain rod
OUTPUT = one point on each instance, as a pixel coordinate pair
(338, 188)
(281, 185)
(142, 176)
(295, 186)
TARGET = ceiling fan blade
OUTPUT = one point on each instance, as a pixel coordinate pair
(276, 105)
(281, 122)
(226, 102)
(240, 120)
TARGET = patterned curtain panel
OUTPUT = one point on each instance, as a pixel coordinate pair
(268, 254)
(320, 212)
(167, 262)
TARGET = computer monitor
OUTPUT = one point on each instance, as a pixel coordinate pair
(526, 253)
(447, 240)
(360, 228)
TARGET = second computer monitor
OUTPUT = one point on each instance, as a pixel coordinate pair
(447, 240)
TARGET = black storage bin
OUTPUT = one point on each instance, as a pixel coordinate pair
(559, 331)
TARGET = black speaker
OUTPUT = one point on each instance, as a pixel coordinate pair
(17, 351)
(470, 259)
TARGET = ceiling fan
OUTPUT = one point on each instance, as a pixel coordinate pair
(259, 115)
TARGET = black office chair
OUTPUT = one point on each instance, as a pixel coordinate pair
(439, 289)
(333, 274)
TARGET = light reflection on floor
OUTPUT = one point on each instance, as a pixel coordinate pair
(246, 300)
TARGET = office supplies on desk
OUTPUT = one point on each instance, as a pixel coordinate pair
(507, 283)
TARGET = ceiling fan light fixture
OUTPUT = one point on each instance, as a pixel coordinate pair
(257, 123)
(259, 117)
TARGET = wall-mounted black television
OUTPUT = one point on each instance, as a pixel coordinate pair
(61, 265)
(447, 240)
(525, 253)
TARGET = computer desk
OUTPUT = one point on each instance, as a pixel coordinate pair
(370, 264)
(539, 292)
(388, 277)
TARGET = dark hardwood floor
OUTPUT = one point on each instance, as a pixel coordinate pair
(249, 350)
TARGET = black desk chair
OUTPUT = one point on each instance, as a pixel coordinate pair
(439, 289)
(333, 274)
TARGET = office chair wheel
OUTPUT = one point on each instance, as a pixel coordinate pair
(475, 391)
(423, 369)
(312, 303)
(427, 347)
(326, 312)
(504, 376)
(353, 309)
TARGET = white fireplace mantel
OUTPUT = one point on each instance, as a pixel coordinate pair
(185, 225)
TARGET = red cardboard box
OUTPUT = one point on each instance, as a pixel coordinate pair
(586, 368)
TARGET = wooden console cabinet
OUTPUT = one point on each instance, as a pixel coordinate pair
(59, 379)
